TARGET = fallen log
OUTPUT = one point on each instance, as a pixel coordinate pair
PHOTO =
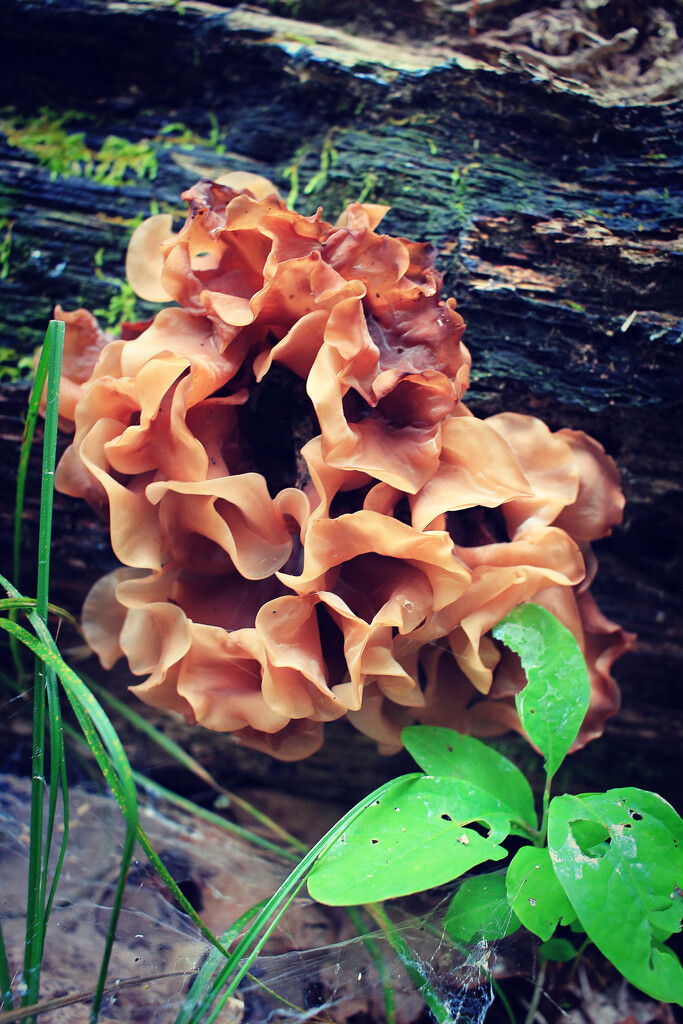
(556, 210)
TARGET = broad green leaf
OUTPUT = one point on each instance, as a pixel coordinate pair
(554, 702)
(480, 910)
(534, 892)
(559, 951)
(413, 837)
(444, 752)
(624, 887)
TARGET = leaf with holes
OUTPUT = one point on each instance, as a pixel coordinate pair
(444, 752)
(554, 701)
(619, 858)
(535, 893)
(480, 910)
(422, 832)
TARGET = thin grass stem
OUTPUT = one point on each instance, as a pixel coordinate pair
(198, 990)
(172, 748)
(25, 452)
(113, 782)
(156, 789)
(243, 969)
(38, 851)
(54, 341)
(537, 993)
(10, 603)
(379, 963)
(5, 976)
(58, 783)
(402, 951)
(112, 760)
(241, 958)
(59, 1002)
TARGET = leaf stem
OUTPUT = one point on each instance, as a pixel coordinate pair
(536, 997)
(543, 831)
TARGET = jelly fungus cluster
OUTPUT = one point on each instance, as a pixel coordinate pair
(311, 523)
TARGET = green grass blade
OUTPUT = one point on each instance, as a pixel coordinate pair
(200, 985)
(115, 766)
(54, 342)
(179, 896)
(175, 751)
(43, 644)
(110, 756)
(5, 977)
(156, 789)
(35, 924)
(25, 451)
(58, 783)
(101, 756)
(35, 397)
(38, 851)
(379, 963)
(89, 712)
(402, 950)
(28, 603)
(249, 947)
(265, 934)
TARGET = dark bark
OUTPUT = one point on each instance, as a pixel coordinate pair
(558, 220)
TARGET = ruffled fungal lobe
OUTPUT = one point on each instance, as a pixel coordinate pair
(311, 523)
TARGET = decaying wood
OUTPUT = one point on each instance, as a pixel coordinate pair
(557, 214)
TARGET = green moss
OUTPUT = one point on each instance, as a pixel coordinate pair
(62, 152)
(117, 161)
(295, 37)
(178, 134)
(328, 159)
(122, 306)
(291, 174)
(13, 365)
(5, 246)
(320, 178)
(368, 186)
(459, 188)
(118, 158)
(123, 302)
(285, 8)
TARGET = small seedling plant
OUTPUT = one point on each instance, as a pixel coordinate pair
(607, 864)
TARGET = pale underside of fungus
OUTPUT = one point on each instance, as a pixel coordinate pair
(311, 523)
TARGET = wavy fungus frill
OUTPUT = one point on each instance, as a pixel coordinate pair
(311, 523)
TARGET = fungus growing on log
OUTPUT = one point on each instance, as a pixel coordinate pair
(311, 523)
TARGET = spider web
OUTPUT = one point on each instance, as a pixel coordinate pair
(347, 980)
(315, 967)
